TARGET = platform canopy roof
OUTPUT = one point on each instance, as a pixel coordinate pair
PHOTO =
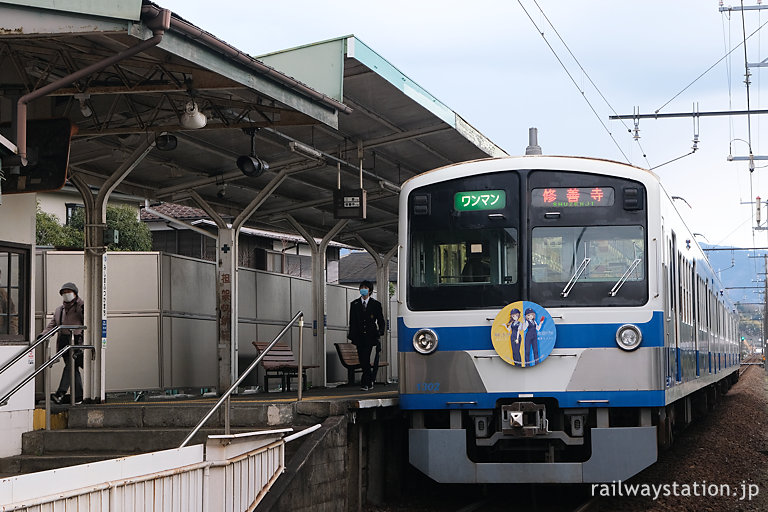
(338, 98)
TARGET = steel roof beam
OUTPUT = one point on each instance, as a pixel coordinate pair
(380, 119)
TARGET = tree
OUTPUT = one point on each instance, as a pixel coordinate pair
(133, 235)
(49, 231)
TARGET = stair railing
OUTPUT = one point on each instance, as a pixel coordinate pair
(42, 339)
(45, 338)
(226, 396)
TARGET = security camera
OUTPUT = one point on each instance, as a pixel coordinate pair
(222, 193)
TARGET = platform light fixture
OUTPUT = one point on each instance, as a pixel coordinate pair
(85, 109)
(305, 150)
(251, 165)
(166, 142)
(192, 118)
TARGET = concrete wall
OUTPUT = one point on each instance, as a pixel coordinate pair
(17, 225)
(344, 465)
(316, 476)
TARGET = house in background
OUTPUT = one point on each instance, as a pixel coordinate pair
(359, 266)
(258, 249)
(63, 203)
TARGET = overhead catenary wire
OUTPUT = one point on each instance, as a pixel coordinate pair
(584, 71)
(710, 68)
(565, 68)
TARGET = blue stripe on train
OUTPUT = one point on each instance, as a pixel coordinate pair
(568, 335)
(652, 398)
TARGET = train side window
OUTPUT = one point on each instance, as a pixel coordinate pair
(14, 293)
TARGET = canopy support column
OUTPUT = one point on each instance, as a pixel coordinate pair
(227, 279)
(319, 278)
(95, 267)
(382, 285)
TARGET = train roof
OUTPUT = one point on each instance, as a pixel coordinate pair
(543, 162)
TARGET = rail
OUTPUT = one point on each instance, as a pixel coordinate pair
(46, 387)
(42, 339)
(43, 367)
(225, 397)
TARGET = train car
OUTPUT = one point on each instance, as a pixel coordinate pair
(558, 321)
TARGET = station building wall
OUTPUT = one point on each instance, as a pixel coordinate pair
(17, 230)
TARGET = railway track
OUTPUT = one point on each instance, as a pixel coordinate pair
(749, 362)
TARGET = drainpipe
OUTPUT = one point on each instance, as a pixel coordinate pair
(158, 22)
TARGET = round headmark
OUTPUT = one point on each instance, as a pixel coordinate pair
(523, 334)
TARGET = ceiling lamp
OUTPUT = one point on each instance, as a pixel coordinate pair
(85, 109)
(166, 142)
(304, 150)
(251, 165)
(192, 118)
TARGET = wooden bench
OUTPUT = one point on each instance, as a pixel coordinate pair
(279, 363)
(348, 357)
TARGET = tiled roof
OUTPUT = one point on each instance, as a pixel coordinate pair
(177, 211)
(359, 266)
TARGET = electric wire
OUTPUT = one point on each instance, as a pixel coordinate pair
(589, 78)
(749, 121)
(673, 160)
(748, 219)
(541, 33)
(710, 68)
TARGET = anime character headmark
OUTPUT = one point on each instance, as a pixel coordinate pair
(515, 328)
(531, 337)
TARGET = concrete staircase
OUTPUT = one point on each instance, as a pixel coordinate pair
(43, 450)
(108, 431)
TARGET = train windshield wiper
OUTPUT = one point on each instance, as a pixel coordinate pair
(624, 277)
(575, 277)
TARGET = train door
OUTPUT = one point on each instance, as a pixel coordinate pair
(674, 311)
(696, 313)
(670, 309)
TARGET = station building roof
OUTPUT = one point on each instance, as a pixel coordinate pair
(339, 98)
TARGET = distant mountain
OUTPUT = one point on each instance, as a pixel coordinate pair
(739, 269)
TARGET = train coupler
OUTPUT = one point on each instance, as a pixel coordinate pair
(524, 419)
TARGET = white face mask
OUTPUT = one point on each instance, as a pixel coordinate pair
(68, 297)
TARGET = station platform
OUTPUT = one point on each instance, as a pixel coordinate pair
(248, 410)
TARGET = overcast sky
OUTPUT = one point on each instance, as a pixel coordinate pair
(488, 62)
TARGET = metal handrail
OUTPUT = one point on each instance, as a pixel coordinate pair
(4, 400)
(240, 379)
(40, 340)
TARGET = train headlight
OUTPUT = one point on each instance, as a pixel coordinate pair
(425, 341)
(628, 337)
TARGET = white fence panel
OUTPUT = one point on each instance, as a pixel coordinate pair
(232, 476)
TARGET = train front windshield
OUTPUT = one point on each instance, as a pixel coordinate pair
(586, 241)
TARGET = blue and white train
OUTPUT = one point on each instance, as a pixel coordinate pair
(558, 321)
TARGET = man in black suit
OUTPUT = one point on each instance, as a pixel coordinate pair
(366, 326)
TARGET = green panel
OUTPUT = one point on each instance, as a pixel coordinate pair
(473, 200)
(123, 9)
(319, 65)
(214, 61)
(364, 54)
